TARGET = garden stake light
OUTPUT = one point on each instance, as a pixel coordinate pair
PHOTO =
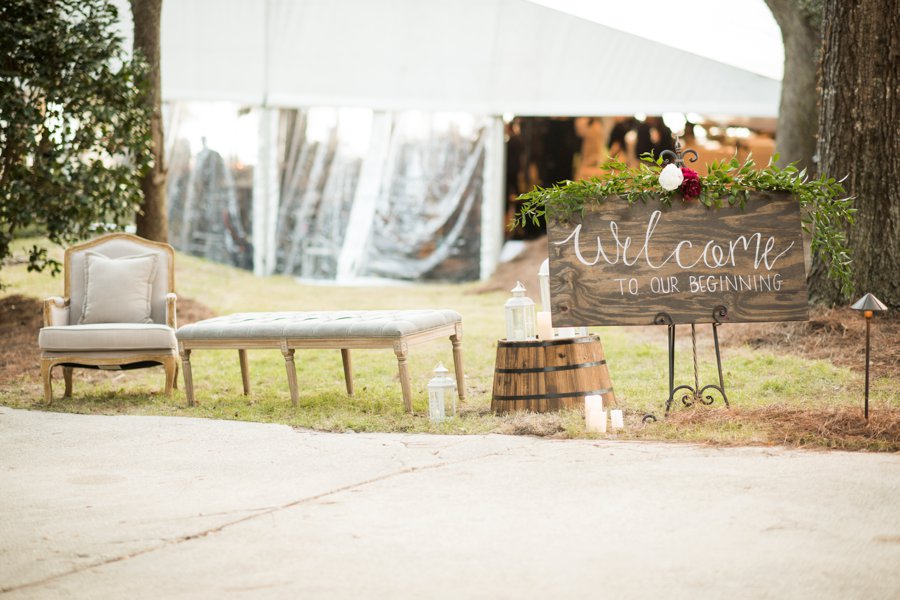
(868, 304)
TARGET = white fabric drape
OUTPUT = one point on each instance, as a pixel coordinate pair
(396, 196)
(208, 192)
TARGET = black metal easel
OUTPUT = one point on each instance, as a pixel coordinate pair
(694, 393)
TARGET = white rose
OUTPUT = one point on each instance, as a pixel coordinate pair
(671, 177)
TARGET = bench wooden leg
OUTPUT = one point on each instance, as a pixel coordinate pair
(456, 340)
(291, 371)
(67, 377)
(245, 371)
(400, 349)
(348, 370)
(188, 378)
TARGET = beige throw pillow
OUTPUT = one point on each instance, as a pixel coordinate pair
(118, 290)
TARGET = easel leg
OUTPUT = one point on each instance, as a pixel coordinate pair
(719, 364)
(671, 368)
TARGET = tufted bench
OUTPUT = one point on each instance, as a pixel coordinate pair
(343, 330)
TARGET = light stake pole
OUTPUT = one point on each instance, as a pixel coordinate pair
(868, 315)
(868, 304)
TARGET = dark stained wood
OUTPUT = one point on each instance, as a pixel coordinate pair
(520, 383)
(758, 286)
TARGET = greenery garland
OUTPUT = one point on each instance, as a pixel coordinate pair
(825, 208)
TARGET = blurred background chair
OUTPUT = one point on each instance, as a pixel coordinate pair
(118, 311)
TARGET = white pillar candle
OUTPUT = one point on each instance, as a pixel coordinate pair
(544, 326)
(594, 415)
(618, 421)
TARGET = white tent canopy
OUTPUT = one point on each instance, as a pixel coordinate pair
(412, 66)
(480, 56)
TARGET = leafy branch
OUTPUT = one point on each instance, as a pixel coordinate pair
(825, 208)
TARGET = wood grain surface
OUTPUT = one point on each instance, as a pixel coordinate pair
(543, 376)
(625, 265)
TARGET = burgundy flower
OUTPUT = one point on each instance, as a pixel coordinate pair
(690, 187)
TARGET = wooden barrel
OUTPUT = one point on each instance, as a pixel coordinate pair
(545, 376)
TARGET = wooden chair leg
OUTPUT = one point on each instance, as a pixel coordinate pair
(46, 368)
(67, 377)
(245, 371)
(188, 379)
(400, 349)
(171, 366)
(348, 370)
(291, 372)
(456, 340)
(175, 381)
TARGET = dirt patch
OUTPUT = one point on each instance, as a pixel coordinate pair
(21, 318)
(528, 423)
(524, 267)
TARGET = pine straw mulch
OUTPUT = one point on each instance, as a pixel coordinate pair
(833, 428)
(21, 318)
(837, 335)
(839, 428)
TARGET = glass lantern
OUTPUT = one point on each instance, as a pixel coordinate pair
(519, 316)
(438, 387)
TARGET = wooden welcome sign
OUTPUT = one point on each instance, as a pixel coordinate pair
(624, 265)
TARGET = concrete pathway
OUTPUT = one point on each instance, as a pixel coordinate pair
(154, 507)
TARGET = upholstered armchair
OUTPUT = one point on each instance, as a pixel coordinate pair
(118, 311)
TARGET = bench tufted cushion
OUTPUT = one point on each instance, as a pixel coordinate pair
(107, 337)
(319, 324)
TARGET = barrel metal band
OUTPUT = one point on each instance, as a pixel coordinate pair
(553, 396)
(537, 344)
(552, 369)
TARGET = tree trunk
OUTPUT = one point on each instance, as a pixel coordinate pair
(152, 220)
(801, 25)
(859, 137)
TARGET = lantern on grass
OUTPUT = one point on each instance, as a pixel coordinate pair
(869, 305)
(438, 388)
(519, 315)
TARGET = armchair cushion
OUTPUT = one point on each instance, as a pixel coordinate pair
(118, 290)
(107, 337)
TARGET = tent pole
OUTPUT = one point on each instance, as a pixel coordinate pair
(493, 205)
(265, 194)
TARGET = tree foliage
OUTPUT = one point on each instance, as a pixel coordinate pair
(74, 132)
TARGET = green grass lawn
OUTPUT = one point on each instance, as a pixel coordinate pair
(765, 389)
